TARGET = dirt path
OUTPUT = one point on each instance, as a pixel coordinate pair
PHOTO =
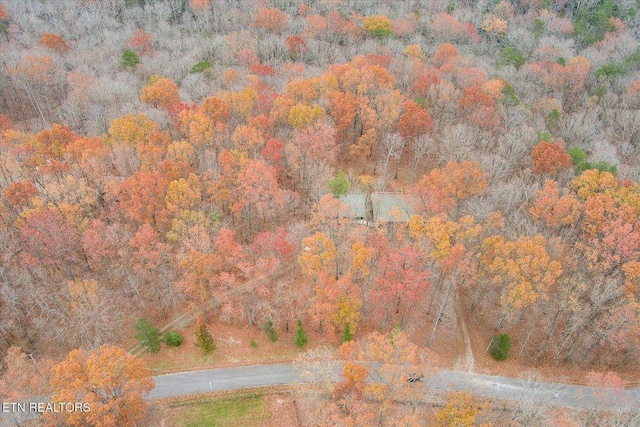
(464, 361)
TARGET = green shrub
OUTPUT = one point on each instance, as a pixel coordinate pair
(633, 60)
(270, 331)
(580, 163)
(339, 185)
(204, 339)
(129, 59)
(511, 56)
(347, 334)
(598, 91)
(553, 118)
(577, 155)
(148, 335)
(173, 338)
(612, 70)
(133, 3)
(561, 61)
(544, 136)
(301, 336)
(500, 346)
(253, 343)
(591, 23)
(603, 166)
(538, 27)
(510, 93)
(200, 67)
(421, 101)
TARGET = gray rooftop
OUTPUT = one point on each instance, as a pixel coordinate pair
(387, 207)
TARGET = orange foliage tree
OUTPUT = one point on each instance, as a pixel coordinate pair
(555, 210)
(20, 379)
(319, 253)
(440, 190)
(18, 194)
(109, 379)
(54, 42)
(271, 19)
(460, 410)
(378, 25)
(160, 91)
(523, 269)
(141, 198)
(389, 360)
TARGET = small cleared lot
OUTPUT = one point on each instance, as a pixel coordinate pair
(261, 408)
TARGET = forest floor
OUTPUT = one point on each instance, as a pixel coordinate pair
(233, 348)
(517, 366)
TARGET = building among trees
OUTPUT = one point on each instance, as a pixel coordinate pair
(377, 207)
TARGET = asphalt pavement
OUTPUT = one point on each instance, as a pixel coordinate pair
(489, 386)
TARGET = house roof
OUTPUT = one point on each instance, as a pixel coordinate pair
(387, 207)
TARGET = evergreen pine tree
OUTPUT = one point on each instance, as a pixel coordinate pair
(270, 330)
(347, 335)
(129, 59)
(301, 336)
(500, 346)
(204, 340)
(148, 335)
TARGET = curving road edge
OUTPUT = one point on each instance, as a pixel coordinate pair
(490, 386)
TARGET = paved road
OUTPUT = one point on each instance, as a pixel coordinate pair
(184, 383)
(493, 387)
(192, 382)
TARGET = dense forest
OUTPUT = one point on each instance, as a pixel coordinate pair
(164, 156)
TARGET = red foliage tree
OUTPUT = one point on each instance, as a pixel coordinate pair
(5, 123)
(427, 78)
(296, 45)
(450, 28)
(4, 16)
(49, 240)
(140, 42)
(98, 245)
(414, 121)
(550, 158)
(262, 70)
(402, 278)
(273, 153)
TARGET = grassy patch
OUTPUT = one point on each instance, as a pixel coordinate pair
(244, 409)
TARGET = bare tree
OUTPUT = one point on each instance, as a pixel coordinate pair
(391, 147)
